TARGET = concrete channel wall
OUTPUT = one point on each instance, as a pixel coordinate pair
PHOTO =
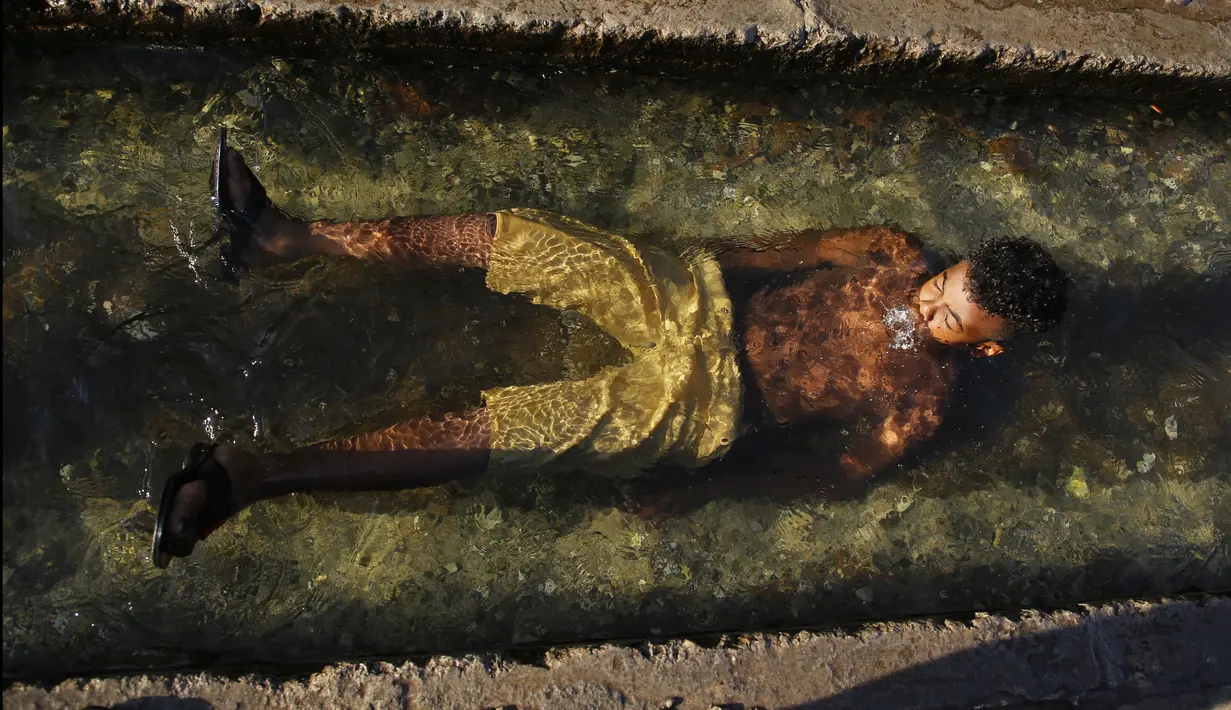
(1144, 49)
(1121, 656)
(1128, 656)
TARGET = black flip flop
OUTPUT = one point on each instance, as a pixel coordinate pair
(200, 465)
(240, 220)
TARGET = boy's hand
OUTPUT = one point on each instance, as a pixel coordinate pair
(854, 468)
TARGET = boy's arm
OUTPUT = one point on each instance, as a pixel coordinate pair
(916, 419)
(811, 249)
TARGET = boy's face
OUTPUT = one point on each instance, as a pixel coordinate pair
(954, 319)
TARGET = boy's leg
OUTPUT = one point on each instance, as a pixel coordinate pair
(421, 452)
(454, 240)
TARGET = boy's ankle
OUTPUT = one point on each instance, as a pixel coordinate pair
(282, 238)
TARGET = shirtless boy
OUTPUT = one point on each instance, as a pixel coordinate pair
(851, 322)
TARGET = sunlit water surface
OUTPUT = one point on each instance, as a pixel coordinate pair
(1090, 464)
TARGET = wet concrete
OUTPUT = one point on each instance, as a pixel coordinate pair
(1129, 655)
(1147, 49)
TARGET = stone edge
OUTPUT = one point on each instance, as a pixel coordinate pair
(1172, 654)
(804, 45)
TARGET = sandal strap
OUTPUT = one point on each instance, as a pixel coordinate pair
(218, 495)
(240, 219)
(255, 203)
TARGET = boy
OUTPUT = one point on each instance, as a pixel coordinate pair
(862, 326)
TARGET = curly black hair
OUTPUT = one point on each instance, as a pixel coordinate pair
(1015, 278)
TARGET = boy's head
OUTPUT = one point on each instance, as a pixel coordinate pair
(1006, 287)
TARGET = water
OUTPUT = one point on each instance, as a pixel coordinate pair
(1091, 464)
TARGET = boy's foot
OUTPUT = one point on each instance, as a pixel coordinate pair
(217, 482)
(261, 233)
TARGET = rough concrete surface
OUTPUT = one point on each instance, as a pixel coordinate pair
(1147, 48)
(1129, 655)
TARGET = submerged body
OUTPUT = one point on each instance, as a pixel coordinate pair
(846, 322)
(830, 331)
(847, 340)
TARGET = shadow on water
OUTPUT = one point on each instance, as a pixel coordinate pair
(659, 617)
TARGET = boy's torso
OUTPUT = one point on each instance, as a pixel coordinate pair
(841, 341)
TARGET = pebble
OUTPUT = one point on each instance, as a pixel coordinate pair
(1172, 427)
(1146, 463)
(1077, 486)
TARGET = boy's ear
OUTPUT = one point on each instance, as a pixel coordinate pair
(987, 348)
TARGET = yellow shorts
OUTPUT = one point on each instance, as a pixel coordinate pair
(678, 402)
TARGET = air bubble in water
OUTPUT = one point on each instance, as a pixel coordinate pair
(903, 328)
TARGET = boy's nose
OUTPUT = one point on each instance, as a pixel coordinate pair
(927, 309)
